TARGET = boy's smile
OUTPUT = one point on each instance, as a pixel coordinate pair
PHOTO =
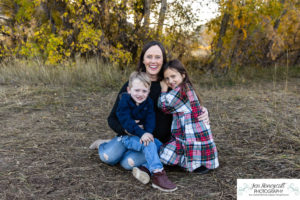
(138, 91)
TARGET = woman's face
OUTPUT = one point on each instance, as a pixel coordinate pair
(153, 60)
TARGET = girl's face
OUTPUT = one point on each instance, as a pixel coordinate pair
(173, 78)
(153, 60)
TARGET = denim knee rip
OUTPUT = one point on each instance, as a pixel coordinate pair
(105, 156)
(130, 162)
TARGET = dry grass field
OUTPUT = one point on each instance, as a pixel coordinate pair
(46, 130)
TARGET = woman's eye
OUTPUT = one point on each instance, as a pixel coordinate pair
(158, 57)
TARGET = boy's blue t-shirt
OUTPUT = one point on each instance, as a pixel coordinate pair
(128, 112)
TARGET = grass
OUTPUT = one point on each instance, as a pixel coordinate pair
(245, 76)
(44, 152)
(47, 124)
(93, 74)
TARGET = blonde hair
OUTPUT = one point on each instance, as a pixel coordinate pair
(142, 76)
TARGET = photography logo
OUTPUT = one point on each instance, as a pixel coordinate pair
(268, 189)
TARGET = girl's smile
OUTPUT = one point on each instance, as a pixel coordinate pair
(173, 78)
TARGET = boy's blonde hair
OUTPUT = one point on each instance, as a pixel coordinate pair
(142, 76)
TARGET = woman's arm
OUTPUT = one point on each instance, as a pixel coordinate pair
(112, 119)
(150, 117)
(204, 116)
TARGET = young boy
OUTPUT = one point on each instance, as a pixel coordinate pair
(136, 114)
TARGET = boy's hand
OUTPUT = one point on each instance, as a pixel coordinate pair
(164, 86)
(146, 139)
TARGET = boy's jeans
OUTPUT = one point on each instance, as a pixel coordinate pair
(116, 151)
(150, 151)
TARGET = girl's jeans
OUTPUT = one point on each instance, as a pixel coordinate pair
(131, 153)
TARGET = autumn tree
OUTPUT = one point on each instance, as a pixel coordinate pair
(56, 30)
(255, 33)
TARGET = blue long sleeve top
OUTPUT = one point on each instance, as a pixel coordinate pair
(128, 112)
(163, 121)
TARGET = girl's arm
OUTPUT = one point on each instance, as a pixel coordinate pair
(173, 101)
(112, 119)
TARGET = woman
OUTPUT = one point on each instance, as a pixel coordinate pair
(152, 58)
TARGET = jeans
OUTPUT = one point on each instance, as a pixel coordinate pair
(150, 151)
(115, 151)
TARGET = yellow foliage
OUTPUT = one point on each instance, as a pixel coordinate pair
(244, 33)
(257, 31)
(58, 30)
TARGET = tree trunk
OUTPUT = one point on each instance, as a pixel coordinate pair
(138, 15)
(222, 33)
(123, 14)
(105, 14)
(271, 42)
(147, 6)
(48, 12)
(122, 22)
(161, 18)
(238, 35)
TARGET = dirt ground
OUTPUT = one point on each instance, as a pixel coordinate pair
(46, 131)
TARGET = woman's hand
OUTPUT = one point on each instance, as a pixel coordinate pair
(164, 86)
(204, 116)
(146, 139)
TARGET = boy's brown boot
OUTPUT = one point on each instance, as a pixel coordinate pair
(162, 182)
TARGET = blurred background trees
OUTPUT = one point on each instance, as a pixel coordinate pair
(244, 33)
(256, 33)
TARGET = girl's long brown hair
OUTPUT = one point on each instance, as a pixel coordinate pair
(178, 66)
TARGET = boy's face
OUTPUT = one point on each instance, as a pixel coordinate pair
(138, 91)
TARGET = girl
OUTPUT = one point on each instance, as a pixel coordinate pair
(191, 145)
